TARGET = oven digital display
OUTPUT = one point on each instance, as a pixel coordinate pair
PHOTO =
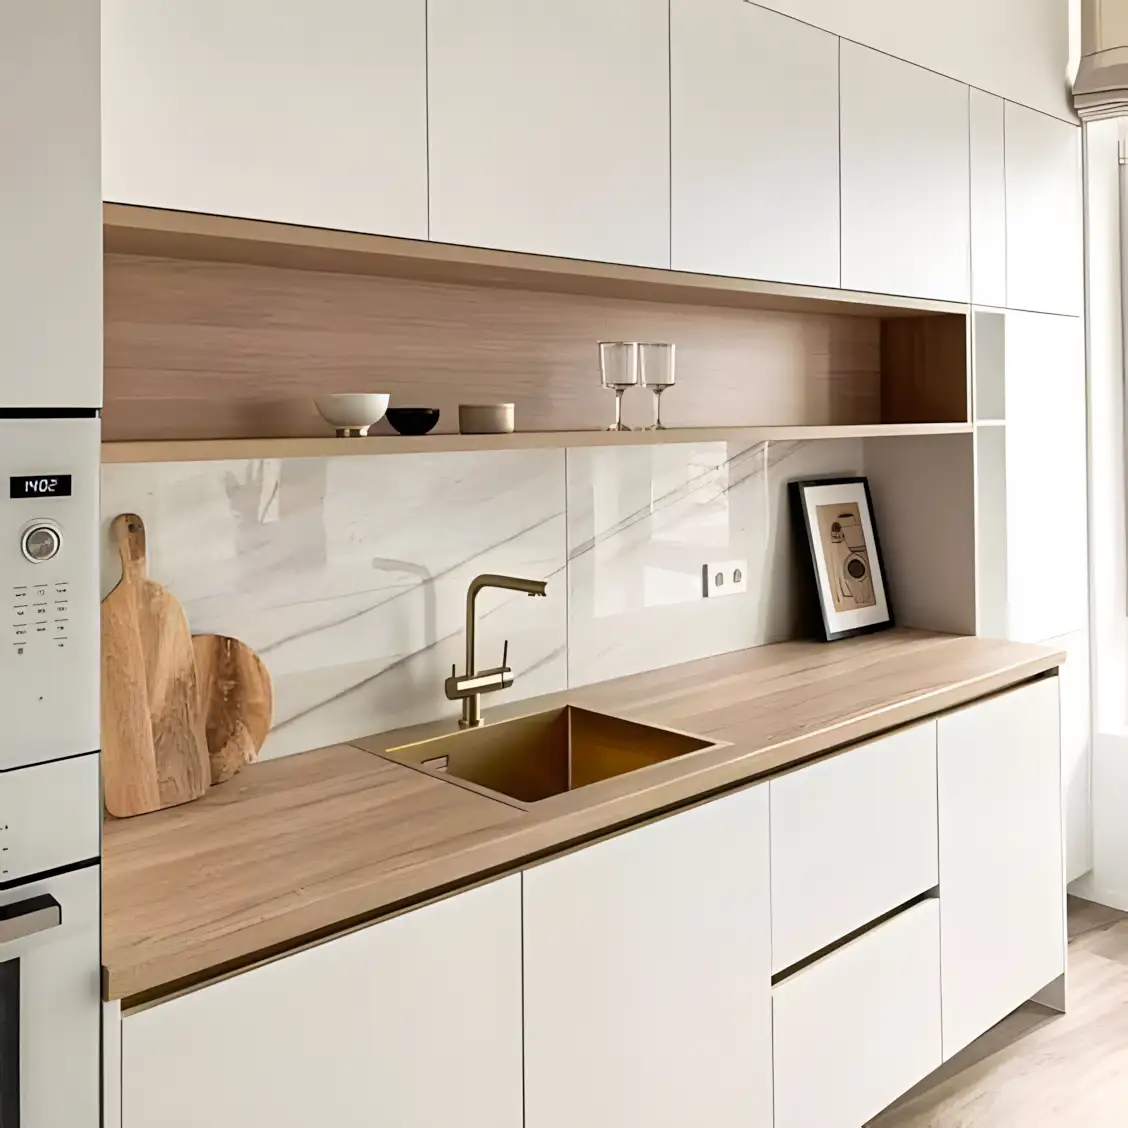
(40, 485)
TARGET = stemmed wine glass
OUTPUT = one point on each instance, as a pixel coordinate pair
(657, 364)
(618, 367)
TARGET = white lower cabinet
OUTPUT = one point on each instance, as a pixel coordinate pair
(1001, 877)
(412, 1023)
(648, 978)
(629, 982)
(858, 1027)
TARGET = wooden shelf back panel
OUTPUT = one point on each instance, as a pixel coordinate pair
(924, 366)
(213, 238)
(197, 350)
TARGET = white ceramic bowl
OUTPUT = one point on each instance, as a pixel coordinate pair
(352, 413)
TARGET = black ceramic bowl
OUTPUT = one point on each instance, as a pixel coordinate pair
(413, 420)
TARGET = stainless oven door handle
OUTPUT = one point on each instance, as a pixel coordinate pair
(26, 918)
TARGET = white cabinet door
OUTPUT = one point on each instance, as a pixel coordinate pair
(648, 978)
(1047, 476)
(550, 127)
(1044, 252)
(302, 113)
(853, 837)
(1002, 891)
(857, 1028)
(988, 201)
(50, 205)
(412, 1023)
(754, 99)
(905, 188)
(1017, 47)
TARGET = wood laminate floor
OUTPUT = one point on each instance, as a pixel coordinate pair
(1037, 1069)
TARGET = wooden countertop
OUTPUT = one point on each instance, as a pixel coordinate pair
(296, 849)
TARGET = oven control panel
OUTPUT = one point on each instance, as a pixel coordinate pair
(49, 559)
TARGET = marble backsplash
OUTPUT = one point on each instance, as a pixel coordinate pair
(349, 575)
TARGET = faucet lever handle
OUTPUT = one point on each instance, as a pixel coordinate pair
(505, 655)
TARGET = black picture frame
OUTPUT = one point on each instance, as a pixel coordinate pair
(805, 548)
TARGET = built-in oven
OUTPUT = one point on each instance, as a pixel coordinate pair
(50, 935)
(50, 1009)
(50, 805)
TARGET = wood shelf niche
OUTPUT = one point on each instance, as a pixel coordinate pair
(225, 329)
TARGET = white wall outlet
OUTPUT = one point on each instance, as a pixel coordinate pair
(725, 577)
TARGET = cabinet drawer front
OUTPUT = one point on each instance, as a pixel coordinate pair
(853, 837)
(856, 1029)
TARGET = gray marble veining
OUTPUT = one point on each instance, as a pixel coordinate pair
(349, 575)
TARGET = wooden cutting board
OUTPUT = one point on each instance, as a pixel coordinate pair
(236, 701)
(153, 749)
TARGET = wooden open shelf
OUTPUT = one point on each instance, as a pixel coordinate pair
(223, 331)
(159, 233)
(217, 450)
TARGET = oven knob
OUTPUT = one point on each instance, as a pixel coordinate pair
(41, 542)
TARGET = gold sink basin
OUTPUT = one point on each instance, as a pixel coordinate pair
(533, 758)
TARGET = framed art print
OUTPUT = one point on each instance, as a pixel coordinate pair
(845, 555)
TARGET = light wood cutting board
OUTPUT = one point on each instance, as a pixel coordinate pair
(236, 700)
(153, 749)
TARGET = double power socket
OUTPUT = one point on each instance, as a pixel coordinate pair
(725, 577)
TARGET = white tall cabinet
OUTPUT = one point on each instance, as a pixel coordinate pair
(1044, 256)
(754, 144)
(50, 215)
(648, 975)
(414, 1022)
(1046, 468)
(302, 113)
(905, 174)
(1002, 887)
(550, 127)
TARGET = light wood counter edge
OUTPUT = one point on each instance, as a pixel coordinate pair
(550, 828)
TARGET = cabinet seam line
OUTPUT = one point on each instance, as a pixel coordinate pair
(427, 106)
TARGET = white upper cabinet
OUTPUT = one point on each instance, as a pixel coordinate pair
(302, 113)
(988, 201)
(550, 127)
(754, 99)
(648, 976)
(50, 205)
(1002, 888)
(905, 205)
(1016, 48)
(411, 1023)
(1044, 253)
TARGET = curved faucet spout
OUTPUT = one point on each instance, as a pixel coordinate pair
(508, 583)
(471, 686)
